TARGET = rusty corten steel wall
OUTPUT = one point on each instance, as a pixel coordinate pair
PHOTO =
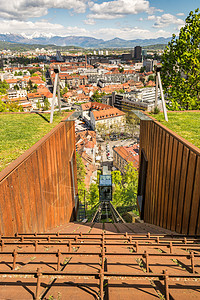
(172, 197)
(36, 190)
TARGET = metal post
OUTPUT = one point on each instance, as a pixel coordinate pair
(192, 261)
(36, 243)
(162, 97)
(166, 278)
(37, 294)
(58, 92)
(58, 261)
(54, 97)
(14, 259)
(147, 261)
(156, 96)
(2, 245)
(70, 246)
(136, 246)
(101, 275)
(170, 247)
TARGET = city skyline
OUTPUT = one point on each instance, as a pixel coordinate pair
(126, 19)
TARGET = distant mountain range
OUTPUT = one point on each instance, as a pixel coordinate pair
(80, 41)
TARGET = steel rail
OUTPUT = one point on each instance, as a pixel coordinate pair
(158, 239)
(81, 243)
(102, 276)
(99, 253)
(108, 274)
(173, 235)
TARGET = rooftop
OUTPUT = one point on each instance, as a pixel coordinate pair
(130, 154)
(108, 113)
(94, 105)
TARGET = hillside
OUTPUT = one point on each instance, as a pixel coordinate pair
(80, 41)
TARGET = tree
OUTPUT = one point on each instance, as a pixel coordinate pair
(96, 97)
(142, 69)
(4, 86)
(16, 87)
(30, 84)
(152, 77)
(38, 104)
(181, 66)
(10, 107)
(46, 104)
(93, 198)
(118, 188)
(102, 128)
(130, 185)
(63, 91)
(43, 78)
(125, 186)
(80, 178)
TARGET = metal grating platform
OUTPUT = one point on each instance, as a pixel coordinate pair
(100, 261)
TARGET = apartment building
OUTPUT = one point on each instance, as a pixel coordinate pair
(109, 117)
(123, 155)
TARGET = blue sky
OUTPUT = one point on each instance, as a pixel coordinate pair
(106, 19)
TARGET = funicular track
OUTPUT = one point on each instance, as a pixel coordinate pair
(107, 212)
(100, 264)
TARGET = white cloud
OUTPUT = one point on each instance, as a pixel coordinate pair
(45, 28)
(24, 9)
(180, 14)
(104, 16)
(129, 33)
(152, 10)
(166, 20)
(151, 17)
(117, 8)
(42, 27)
(90, 22)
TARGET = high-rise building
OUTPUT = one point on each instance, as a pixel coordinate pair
(59, 57)
(138, 53)
(132, 53)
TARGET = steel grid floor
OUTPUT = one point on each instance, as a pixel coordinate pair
(100, 261)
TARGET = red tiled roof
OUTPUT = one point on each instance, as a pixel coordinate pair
(95, 105)
(129, 154)
(108, 113)
(34, 95)
(11, 81)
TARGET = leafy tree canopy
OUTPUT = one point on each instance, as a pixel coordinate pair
(63, 91)
(181, 66)
(80, 177)
(125, 186)
(4, 86)
(10, 107)
(96, 97)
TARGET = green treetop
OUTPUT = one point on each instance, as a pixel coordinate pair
(4, 86)
(181, 66)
